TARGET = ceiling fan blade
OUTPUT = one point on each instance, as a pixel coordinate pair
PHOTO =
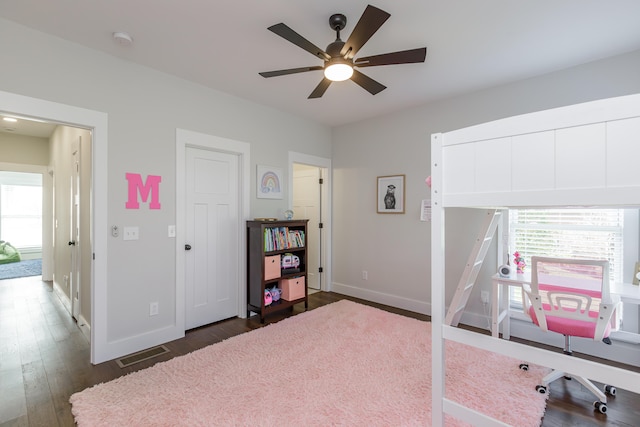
(289, 71)
(367, 83)
(370, 21)
(288, 34)
(403, 57)
(320, 89)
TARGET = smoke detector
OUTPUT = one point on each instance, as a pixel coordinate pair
(122, 38)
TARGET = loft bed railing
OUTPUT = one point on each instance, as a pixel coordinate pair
(580, 155)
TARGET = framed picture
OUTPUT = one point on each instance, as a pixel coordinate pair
(269, 182)
(636, 274)
(390, 194)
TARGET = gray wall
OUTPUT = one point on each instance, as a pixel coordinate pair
(394, 249)
(144, 109)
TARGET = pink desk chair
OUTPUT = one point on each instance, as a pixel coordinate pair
(571, 297)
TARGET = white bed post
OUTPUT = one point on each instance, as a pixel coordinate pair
(437, 284)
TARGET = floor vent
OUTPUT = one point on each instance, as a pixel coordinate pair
(134, 358)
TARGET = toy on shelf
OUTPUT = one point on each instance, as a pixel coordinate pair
(275, 293)
(290, 264)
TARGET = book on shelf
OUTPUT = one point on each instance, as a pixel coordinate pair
(281, 238)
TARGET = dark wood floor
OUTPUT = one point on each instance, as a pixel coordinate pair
(44, 358)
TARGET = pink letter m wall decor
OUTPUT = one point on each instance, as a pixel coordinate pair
(152, 185)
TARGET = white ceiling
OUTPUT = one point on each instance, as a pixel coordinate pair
(26, 126)
(223, 44)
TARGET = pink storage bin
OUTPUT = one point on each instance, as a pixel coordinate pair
(292, 289)
(271, 267)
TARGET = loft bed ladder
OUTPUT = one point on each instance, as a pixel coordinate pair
(472, 268)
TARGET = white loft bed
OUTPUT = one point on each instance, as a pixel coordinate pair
(584, 155)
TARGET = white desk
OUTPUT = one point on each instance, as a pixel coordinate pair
(627, 292)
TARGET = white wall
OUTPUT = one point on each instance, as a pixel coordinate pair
(144, 108)
(395, 249)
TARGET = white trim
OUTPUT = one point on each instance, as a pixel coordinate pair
(187, 138)
(97, 122)
(324, 163)
(85, 327)
(382, 298)
(64, 299)
(437, 284)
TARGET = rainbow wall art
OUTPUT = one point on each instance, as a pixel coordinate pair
(269, 183)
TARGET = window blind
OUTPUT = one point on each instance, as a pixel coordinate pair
(568, 233)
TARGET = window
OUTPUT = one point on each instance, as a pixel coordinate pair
(567, 233)
(21, 209)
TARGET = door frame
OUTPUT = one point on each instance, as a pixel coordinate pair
(96, 122)
(186, 138)
(75, 291)
(324, 163)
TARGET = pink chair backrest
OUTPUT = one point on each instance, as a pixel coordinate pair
(570, 295)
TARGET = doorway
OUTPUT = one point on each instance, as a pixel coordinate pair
(310, 198)
(49, 220)
(94, 122)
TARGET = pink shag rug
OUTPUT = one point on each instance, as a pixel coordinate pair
(344, 364)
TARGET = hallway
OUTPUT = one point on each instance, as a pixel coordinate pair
(40, 348)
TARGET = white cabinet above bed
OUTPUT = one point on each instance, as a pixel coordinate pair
(585, 155)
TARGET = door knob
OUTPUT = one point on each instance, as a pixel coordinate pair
(187, 247)
(72, 243)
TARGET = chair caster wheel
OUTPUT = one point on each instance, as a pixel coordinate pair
(600, 407)
(610, 390)
(524, 367)
(542, 389)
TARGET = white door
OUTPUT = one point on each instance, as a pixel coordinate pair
(74, 230)
(212, 236)
(307, 205)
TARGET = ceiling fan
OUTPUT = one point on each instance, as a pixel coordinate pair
(339, 62)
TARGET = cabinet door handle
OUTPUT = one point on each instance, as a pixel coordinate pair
(187, 247)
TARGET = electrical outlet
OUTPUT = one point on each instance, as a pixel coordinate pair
(365, 275)
(153, 308)
(484, 296)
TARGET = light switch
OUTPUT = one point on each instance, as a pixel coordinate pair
(130, 233)
(172, 231)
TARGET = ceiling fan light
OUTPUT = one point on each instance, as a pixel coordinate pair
(338, 72)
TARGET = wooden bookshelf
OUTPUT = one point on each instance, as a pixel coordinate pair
(267, 243)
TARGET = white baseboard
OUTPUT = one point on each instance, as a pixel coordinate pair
(85, 327)
(142, 341)
(64, 299)
(66, 302)
(382, 298)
